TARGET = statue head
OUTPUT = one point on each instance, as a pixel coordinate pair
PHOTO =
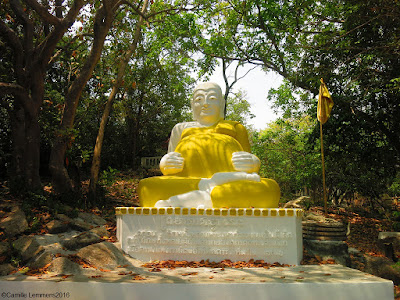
(208, 103)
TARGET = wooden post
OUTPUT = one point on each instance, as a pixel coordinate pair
(323, 169)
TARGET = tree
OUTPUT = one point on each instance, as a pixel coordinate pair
(94, 172)
(229, 86)
(287, 155)
(155, 103)
(238, 108)
(101, 25)
(353, 45)
(31, 32)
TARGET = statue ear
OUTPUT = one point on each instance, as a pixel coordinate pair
(191, 107)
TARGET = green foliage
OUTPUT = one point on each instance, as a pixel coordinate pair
(358, 157)
(394, 189)
(16, 261)
(107, 177)
(286, 155)
(35, 224)
(36, 199)
(238, 108)
(352, 44)
(396, 226)
(293, 102)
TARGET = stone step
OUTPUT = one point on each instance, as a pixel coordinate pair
(324, 232)
(300, 283)
(323, 224)
(325, 238)
(320, 228)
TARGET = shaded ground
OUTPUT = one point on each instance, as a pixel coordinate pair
(121, 191)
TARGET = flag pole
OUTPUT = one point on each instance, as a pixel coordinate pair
(323, 168)
(325, 104)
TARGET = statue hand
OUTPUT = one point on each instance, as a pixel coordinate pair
(245, 162)
(171, 163)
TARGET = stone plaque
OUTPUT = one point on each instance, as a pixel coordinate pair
(237, 234)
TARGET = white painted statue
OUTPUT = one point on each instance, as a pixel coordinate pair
(209, 163)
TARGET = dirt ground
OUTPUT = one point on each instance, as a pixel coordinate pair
(363, 227)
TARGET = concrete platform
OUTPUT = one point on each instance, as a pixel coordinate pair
(300, 282)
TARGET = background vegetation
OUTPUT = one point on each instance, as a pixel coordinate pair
(67, 67)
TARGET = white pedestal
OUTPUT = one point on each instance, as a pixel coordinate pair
(324, 282)
(237, 234)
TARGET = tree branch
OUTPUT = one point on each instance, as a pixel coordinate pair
(19, 11)
(135, 8)
(47, 46)
(272, 39)
(20, 94)
(245, 74)
(28, 26)
(72, 13)
(15, 44)
(9, 35)
(350, 31)
(68, 46)
(43, 12)
(12, 89)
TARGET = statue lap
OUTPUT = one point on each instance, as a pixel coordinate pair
(242, 193)
(152, 189)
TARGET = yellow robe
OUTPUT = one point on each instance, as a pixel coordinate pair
(206, 151)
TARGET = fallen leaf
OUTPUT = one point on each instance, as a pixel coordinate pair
(155, 270)
(190, 273)
(124, 266)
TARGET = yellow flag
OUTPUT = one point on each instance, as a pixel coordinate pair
(325, 103)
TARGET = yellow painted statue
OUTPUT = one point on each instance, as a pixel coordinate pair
(209, 163)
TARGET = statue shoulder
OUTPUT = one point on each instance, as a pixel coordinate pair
(242, 136)
(184, 125)
(229, 127)
(176, 133)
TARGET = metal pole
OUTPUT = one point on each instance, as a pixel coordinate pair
(323, 169)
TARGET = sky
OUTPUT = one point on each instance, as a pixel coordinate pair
(256, 84)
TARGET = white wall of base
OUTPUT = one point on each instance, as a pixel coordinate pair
(171, 291)
(237, 234)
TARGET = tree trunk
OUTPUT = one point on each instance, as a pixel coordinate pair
(26, 133)
(136, 134)
(94, 171)
(32, 151)
(60, 178)
(135, 143)
(17, 120)
(32, 54)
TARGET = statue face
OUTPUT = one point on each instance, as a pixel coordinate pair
(208, 104)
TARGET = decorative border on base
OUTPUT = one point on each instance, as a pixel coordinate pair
(248, 212)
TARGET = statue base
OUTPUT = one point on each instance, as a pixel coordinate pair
(324, 282)
(215, 234)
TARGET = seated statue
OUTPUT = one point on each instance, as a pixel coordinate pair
(209, 163)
